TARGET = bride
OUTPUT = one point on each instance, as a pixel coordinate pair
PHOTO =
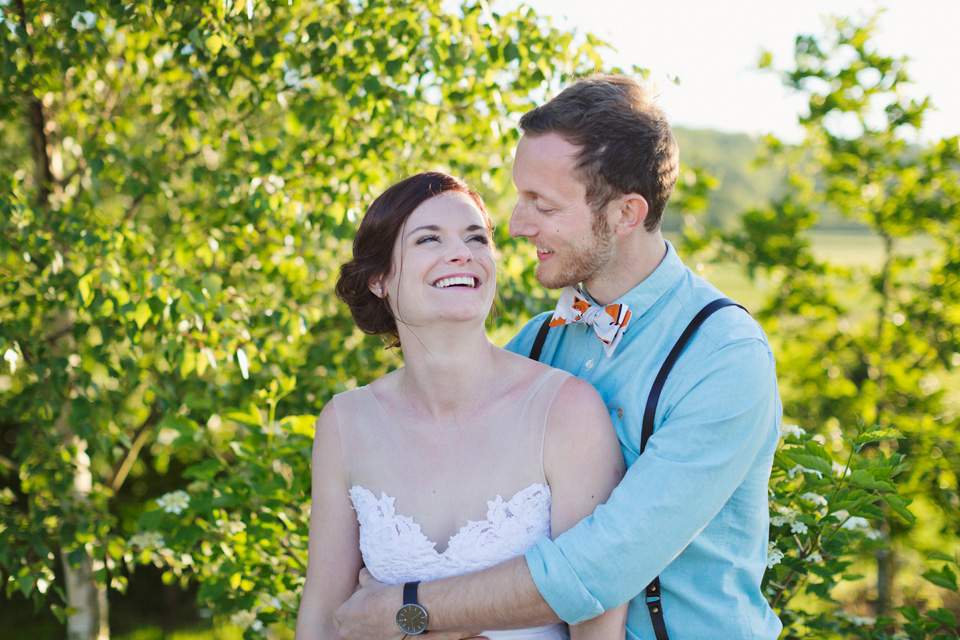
(467, 454)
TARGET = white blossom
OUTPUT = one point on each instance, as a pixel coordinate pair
(244, 619)
(231, 527)
(83, 20)
(856, 522)
(815, 557)
(774, 555)
(841, 470)
(288, 599)
(787, 516)
(798, 527)
(801, 469)
(174, 502)
(857, 620)
(11, 357)
(146, 540)
(788, 430)
(815, 498)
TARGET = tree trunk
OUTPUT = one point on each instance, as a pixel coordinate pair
(886, 558)
(86, 598)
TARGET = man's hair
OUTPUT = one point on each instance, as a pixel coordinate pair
(626, 145)
(374, 242)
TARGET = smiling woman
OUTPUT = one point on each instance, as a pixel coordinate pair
(374, 246)
(466, 455)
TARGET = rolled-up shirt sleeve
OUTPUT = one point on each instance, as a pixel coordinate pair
(715, 420)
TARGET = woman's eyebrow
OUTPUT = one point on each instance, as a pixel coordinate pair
(426, 227)
(433, 227)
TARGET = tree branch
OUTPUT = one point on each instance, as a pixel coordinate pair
(143, 431)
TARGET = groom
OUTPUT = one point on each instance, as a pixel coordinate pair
(684, 535)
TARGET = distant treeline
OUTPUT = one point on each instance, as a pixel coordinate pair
(744, 182)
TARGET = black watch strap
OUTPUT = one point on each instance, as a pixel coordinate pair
(410, 592)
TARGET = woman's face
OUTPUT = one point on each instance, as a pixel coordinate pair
(443, 264)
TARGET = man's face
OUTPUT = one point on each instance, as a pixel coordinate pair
(552, 213)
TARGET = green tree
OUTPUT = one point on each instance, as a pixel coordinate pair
(878, 344)
(178, 182)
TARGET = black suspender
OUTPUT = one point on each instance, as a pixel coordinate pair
(540, 339)
(652, 592)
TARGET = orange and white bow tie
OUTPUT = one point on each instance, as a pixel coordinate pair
(609, 322)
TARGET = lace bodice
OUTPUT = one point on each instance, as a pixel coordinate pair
(440, 476)
(395, 550)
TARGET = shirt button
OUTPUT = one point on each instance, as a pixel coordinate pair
(589, 364)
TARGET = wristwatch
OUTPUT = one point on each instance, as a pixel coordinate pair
(411, 618)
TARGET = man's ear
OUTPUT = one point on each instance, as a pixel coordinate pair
(632, 211)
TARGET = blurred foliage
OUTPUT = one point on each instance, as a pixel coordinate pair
(178, 183)
(877, 343)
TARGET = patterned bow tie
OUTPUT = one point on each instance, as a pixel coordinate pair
(609, 322)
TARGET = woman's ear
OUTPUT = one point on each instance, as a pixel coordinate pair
(376, 287)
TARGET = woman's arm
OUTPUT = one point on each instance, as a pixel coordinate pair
(333, 559)
(583, 463)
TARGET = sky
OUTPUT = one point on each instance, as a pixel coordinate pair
(712, 47)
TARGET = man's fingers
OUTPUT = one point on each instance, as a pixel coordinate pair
(455, 635)
(365, 577)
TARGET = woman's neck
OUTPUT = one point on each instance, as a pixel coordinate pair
(448, 372)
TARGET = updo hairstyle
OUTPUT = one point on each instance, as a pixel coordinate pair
(373, 247)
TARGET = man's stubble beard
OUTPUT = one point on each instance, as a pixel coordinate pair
(583, 262)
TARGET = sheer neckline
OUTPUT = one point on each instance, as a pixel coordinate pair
(386, 502)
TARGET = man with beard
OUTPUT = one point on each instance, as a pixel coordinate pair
(684, 535)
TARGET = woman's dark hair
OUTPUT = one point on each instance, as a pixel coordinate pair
(374, 242)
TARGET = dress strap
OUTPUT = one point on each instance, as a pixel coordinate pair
(537, 403)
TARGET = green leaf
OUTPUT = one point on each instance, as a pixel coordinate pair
(863, 478)
(943, 557)
(251, 415)
(899, 504)
(942, 578)
(142, 314)
(812, 462)
(25, 583)
(877, 433)
(944, 617)
(299, 425)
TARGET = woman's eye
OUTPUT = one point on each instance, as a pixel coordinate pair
(479, 238)
(426, 239)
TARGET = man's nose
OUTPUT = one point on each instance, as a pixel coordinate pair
(519, 225)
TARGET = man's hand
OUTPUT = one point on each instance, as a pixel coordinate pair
(370, 614)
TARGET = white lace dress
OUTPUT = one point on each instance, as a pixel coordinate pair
(395, 550)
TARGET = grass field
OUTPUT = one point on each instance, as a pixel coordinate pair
(842, 249)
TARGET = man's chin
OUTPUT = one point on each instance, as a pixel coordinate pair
(549, 281)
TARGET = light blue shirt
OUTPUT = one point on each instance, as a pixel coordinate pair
(693, 508)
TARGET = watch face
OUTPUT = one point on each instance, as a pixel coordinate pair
(412, 619)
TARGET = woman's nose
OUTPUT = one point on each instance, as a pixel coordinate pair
(459, 252)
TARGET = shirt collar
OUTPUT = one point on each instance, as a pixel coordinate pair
(663, 279)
